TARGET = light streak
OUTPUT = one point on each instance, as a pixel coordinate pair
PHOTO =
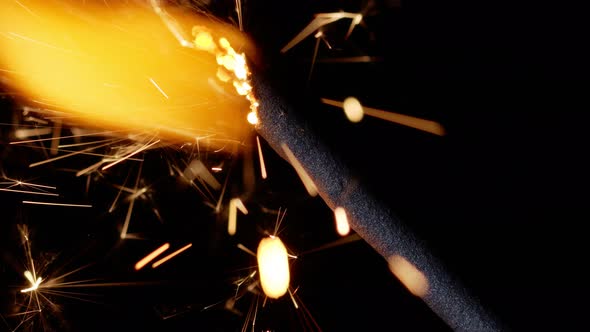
(143, 148)
(34, 283)
(150, 257)
(56, 135)
(103, 133)
(167, 258)
(261, 159)
(159, 88)
(303, 175)
(428, 126)
(23, 133)
(273, 265)
(293, 299)
(342, 226)
(352, 59)
(58, 204)
(28, 192)
(234, 205)
(50, 160)
(244, 248)
(319, 21)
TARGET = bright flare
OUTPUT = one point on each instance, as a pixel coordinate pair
(119, 67)
(273, 264)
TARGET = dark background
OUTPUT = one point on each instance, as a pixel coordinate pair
(501, 199)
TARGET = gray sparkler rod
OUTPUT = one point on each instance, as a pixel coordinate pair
(417, 268)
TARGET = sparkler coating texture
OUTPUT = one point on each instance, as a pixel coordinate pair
(368, 217)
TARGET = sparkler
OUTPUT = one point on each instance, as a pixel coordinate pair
(160, 109)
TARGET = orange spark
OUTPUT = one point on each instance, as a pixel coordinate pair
(144, 261)
(172, 255)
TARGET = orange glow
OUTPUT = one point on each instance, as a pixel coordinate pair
(119, 67)
(414, 280)
(273, 264)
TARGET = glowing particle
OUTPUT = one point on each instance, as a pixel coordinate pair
(204, 40)
(273, 264)
(428, 126)
(342, 226)
(234, 205)
(58, 204)
(159, 88)
(261, 158)
(34, 283)
(353, 109)
(409, 275)
(144, 261)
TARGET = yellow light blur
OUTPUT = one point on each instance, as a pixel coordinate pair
(342, 226)
(273, 264)
(414, 280)
(353, 109)
(118, 67)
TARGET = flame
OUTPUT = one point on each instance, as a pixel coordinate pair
(119, 67)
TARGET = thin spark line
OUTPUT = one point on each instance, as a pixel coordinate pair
(158, 87)
(68, 155)
(103, 133)
(145, 147)
(244, 248)
(57, 204)
(261, 158)
(144, 261)
(28, 192)
(85, 143)
(131, 204)
(167, 258)
(39, 42)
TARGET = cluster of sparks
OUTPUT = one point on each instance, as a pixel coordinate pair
(272, 275)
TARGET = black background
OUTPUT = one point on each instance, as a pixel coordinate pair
(501, 199)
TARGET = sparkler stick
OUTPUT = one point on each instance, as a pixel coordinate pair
(409, 260)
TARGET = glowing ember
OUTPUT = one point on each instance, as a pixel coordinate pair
(273, 264)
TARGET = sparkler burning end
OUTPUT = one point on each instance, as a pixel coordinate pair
(118, 67)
